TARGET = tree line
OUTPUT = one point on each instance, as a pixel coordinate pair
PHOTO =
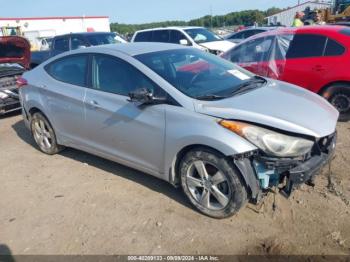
(246, 17)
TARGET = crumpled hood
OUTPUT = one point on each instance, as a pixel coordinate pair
(15, 49)
(279, 105)
(222, 45)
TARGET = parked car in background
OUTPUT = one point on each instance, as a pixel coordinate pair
(14, 60)
(72, 41)
(198, 37)
(239, 36)
(314, 57)
(222, 133)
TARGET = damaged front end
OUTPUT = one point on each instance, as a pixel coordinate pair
(262, 172)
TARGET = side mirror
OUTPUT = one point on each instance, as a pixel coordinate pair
(184, 42)
(81, 46)
(144, 97)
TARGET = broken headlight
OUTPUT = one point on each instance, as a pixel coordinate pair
(271, 142)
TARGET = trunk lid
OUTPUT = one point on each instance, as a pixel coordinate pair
(15, 49)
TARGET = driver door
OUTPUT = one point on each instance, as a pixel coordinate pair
(117, 128)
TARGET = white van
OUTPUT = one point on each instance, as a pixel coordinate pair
(198, 37)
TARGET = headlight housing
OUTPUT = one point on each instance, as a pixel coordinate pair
(271, 142)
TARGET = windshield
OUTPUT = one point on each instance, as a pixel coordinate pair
(101, 39)
(202, 35)
(196, 73)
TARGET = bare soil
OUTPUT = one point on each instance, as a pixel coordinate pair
(77, 203)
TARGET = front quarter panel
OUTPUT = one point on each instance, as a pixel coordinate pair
(186, 128)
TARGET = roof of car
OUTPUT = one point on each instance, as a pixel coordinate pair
(137, 48)
(86, 34)
(313, 29)
(170, 27)
(307, 29)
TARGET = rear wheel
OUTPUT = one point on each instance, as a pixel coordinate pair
(211, 183)
(44, 134)
(339, 96)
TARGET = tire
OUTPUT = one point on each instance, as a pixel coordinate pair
(339, 96)
(44, 135)
(206, 172)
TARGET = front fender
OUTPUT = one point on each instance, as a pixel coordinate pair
(185, 128)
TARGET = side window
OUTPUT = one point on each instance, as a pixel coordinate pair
(333, 48)
(161, 36)
(176, 36)
(113, 75)
(239, 35)
(305, 45)
(143, 37)
(62, 44)
(70, 69)
(250, 33)
(77, 42)
(281, 46)
(256, 50)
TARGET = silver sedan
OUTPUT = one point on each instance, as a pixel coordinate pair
(185, 116)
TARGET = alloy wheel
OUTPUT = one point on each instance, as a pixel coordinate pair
(42, 134)
(208, 185)
(341, 102)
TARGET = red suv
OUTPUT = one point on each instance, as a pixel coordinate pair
(314, 57)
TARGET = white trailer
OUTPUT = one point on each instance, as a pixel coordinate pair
(35, 28)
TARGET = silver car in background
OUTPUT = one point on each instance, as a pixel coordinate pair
(183, 115)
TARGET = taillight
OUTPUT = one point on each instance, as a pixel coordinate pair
(21, 82)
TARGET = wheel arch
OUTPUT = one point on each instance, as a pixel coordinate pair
(323, 90)
(174, 171)
(34, 110)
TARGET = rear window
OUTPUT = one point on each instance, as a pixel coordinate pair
(304, 45)
(62, 44)
(70, 69)
(161, 36)
(333, 48)
(143, 37)
(101, 39)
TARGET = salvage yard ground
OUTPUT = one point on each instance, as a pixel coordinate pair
(77, 203)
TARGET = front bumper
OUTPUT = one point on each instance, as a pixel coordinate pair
(305, 172)
(287, 174)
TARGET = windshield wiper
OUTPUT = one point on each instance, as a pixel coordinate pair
(252, 83)
(210, 97)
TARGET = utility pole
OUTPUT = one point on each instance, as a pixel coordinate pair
(211, 16)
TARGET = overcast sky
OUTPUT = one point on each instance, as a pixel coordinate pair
(134, 11)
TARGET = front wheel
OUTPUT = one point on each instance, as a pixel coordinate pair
(211, 183)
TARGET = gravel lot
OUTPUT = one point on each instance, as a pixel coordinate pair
(77, 203)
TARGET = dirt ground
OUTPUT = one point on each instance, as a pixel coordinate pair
(77, 203)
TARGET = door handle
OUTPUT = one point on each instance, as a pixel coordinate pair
(94, 104)
(318, 68)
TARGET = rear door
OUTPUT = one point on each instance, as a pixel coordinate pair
(64, 92)
(117, 127)
(305, 63)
